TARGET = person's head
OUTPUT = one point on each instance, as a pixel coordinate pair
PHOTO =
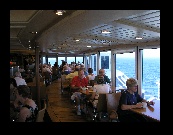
(18, 74)
(131, 84)
(102, 72)
(23, 92)
(90, 70)
(82, 67)
(81, 74)
(77, 68)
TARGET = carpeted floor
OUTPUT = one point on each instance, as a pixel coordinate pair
(60, 108)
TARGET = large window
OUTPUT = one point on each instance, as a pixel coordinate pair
(60, 60)
(44, 60)
(94, 63)
(70, 59)
(52, 61)
(151, 74)
(125, 68)
(79, 59)
(105, 58)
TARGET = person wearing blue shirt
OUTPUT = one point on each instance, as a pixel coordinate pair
(131, 99)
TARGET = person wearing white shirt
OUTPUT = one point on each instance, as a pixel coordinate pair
(90, 76)
(19, 79)
(99, 89)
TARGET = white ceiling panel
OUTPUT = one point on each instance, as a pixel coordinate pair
(57, 34)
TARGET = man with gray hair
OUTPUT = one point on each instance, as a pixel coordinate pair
(19, 79)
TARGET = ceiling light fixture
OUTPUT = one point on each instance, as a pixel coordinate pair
(105, 32)
(59, 12)
(138, 37)
(32, 32)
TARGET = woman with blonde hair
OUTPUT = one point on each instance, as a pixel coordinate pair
(131, 99)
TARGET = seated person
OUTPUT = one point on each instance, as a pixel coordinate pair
(101, 78)
(65, 70)
(73, 74)
(21, 69)
(13, 89)
(90, 76)
(82, 67)
(131, 99)
(77, 83)
(19, 79)
(27, 107)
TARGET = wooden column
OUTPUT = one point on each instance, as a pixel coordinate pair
(37, 75)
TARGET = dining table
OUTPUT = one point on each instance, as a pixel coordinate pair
(151, 111)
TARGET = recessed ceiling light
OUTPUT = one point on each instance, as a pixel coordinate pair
(88, 46)
(59, 12)
(105, 31)
(33, 32)
(138, 37)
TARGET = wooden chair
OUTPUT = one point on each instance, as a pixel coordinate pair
(65, 84)
(101, 105)
(112, 105)
(40, 115)
(91, 83)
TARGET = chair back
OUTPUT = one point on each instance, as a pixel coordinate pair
(91, 83)
(102, 88)
(40, 115)
(112, 101)
(64, 82)
(102, 105)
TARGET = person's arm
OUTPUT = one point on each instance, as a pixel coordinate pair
(73, 87)
(148, 102)
(23, 114)
(143, 100)
(93, 96)
(24, 82)
(108, 80)
(127, 107)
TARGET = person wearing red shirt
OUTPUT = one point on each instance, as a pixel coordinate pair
(77, 83)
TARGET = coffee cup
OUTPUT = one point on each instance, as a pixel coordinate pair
(144, 104)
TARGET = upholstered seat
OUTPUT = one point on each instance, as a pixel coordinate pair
(99, 97)
(112, 105)
(65, 84)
